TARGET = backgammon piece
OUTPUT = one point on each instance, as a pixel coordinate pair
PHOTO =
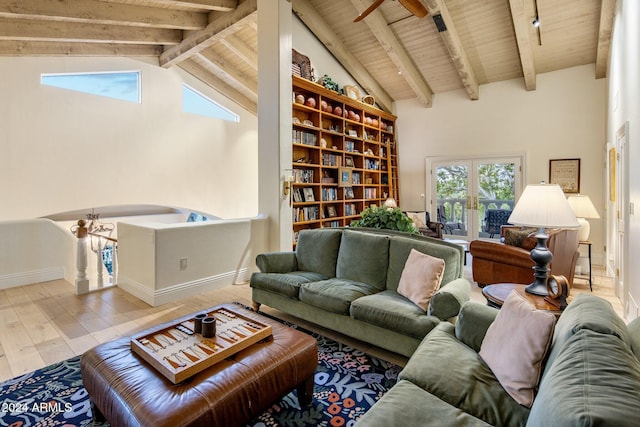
(197, 322)
(184, 328)
(209, 327)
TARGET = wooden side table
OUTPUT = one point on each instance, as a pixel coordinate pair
(497, 293)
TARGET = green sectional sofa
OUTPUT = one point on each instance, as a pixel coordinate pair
(591, 376)
(347, 280)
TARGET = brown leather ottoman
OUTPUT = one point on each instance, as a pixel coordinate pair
(128, 391)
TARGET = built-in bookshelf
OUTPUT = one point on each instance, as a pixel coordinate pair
(344, 157)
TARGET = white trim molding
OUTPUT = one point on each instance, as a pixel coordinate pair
(30, 277)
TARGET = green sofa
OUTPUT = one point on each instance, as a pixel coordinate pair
(346, 280)
(591, 376)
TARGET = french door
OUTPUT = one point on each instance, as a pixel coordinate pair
(473, 197)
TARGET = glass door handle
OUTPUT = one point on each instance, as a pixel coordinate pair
(468, 202)
(476, 203)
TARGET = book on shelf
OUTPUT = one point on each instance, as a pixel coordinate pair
(348, 193)
(308, 194)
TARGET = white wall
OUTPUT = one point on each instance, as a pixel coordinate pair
(62, 150)
(216, 253)
(34, 251)
(623, 106)
(563, 118)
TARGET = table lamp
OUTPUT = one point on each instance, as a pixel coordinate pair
(583, 208)
(542, 206)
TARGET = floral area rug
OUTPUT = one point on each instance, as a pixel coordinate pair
(347, 383)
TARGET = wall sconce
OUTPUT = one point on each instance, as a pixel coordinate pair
(287, 187)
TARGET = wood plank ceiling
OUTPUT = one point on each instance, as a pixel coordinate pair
(392, 54)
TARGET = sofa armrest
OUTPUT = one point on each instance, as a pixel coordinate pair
(277, 262)
(446, 303)
(501, 253)
(473, 321)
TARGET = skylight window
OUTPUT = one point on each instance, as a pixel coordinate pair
(119, 85)
(196, 103)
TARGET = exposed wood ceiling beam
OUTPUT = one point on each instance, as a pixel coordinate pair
(607, 12)
(98, 12)
(221, 86)
(397, 53)
(242, 50)
(327, 36)
(454, 46)
(34, 48)
(222, 5)
(16, 29)
(215, 31)
(521, 25)
(227, 72)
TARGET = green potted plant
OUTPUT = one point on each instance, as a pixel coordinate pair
(388, 218)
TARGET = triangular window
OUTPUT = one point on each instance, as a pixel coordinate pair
(196, 103)
(119, 85)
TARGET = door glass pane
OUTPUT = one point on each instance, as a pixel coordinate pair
(452, 184)
(496, 196)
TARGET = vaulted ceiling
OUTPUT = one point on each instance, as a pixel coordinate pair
(391, 53)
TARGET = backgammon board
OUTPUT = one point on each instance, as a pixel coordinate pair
(177, 352)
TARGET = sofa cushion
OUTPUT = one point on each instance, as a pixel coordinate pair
(515, 236)
(317, 251)
(420, 278)
(334, 295)
(515, 346)
(419, 218)
(594, 381)
(284, 283)
(390, 310)
(586, 312)
(400, 247)
(407, 405)
(455, 373)
(363, 257)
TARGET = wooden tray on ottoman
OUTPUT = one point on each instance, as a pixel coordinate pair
(178, 353)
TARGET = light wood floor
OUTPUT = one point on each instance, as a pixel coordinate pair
(45, 323)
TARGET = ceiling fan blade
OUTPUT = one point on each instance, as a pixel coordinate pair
(370, 9)
(416, 7)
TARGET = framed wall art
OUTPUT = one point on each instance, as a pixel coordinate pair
(565, 173)
(344, 177)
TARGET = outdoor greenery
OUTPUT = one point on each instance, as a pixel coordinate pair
(496, 182)
(385, 218)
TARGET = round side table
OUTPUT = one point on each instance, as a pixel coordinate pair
(497, 293)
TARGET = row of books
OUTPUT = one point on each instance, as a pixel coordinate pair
(302, 137)
(371, 164)
(303, 195)
(308, 213)
(370, 193)
(303, 175)
(331, 160)
(329, 194)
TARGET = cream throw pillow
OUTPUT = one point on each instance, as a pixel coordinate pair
(516, 345)
(420, 278)
(418, 218)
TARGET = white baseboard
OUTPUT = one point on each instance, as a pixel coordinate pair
(30, 277)
(181, 290)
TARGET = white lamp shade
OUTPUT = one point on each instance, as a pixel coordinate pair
(543, 205)
(582, 206)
